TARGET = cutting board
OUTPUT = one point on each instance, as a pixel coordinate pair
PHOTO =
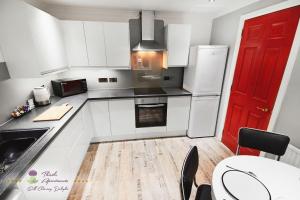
(54, 113)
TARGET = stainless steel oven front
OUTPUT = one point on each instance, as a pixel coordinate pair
(150, 112)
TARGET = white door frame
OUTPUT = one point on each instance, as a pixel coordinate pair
(295, 49)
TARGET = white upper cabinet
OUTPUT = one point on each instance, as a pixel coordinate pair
(48, 39)
(75, 43)
(178, 37)
(117, 44)
(95, 43)
(30, 39)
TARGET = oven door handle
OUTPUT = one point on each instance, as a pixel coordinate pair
(151, 105)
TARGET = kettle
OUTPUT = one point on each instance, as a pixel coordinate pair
(41, 96)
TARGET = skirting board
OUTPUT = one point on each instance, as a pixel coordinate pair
(292, 156)
(148, 135)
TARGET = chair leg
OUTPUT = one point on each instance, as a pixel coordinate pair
(278, 158)
(237, 150)
(195, 183)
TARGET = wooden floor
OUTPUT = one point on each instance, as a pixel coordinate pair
(143, 169)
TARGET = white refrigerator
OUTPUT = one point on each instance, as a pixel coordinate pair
(203, 78)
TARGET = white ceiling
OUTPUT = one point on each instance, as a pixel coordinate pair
(218, 7)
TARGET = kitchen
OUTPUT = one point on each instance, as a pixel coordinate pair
(104, 78)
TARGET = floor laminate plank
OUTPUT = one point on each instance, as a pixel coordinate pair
(83, 174)
(143, 169)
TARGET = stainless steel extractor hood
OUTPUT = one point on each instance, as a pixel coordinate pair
(147, 33)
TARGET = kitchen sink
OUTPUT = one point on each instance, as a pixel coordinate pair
(13, 143)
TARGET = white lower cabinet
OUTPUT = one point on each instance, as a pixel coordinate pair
(113, 119)
(101, 121)
(178, 115)
(88, 121)
(59, 163)
(151, 132)
(122, 118)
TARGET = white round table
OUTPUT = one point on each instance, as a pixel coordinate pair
(282, 180)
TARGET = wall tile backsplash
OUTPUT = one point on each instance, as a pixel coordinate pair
(105, 79)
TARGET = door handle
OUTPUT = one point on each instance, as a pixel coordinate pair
(151, 106)
(262, 109)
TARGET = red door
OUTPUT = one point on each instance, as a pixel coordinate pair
(263, 54)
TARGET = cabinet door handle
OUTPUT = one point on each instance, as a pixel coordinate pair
(152, 106)
(262, 109)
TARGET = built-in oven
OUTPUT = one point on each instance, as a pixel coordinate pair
(151, 112)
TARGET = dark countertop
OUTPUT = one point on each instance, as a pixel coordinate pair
(176, 92)
(18, 168)
(129, 93)
(110, 94)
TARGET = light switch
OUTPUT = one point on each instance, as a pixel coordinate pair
(102, 80)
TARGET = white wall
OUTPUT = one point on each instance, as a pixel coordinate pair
(201, 23)
(15, 92)
(289, 115)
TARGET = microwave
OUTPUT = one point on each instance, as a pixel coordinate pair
(68, 87)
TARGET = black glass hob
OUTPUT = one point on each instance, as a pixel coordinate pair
(149, 91)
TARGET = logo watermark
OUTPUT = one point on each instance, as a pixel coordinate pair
(46, 181)
(32, 177)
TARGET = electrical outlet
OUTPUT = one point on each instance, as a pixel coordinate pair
(113, 80)
(167, 78)
(102, 80)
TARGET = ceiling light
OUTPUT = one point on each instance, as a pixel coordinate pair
(211, 0)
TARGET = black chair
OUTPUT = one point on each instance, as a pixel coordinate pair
(264, 141)
(188, 172)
